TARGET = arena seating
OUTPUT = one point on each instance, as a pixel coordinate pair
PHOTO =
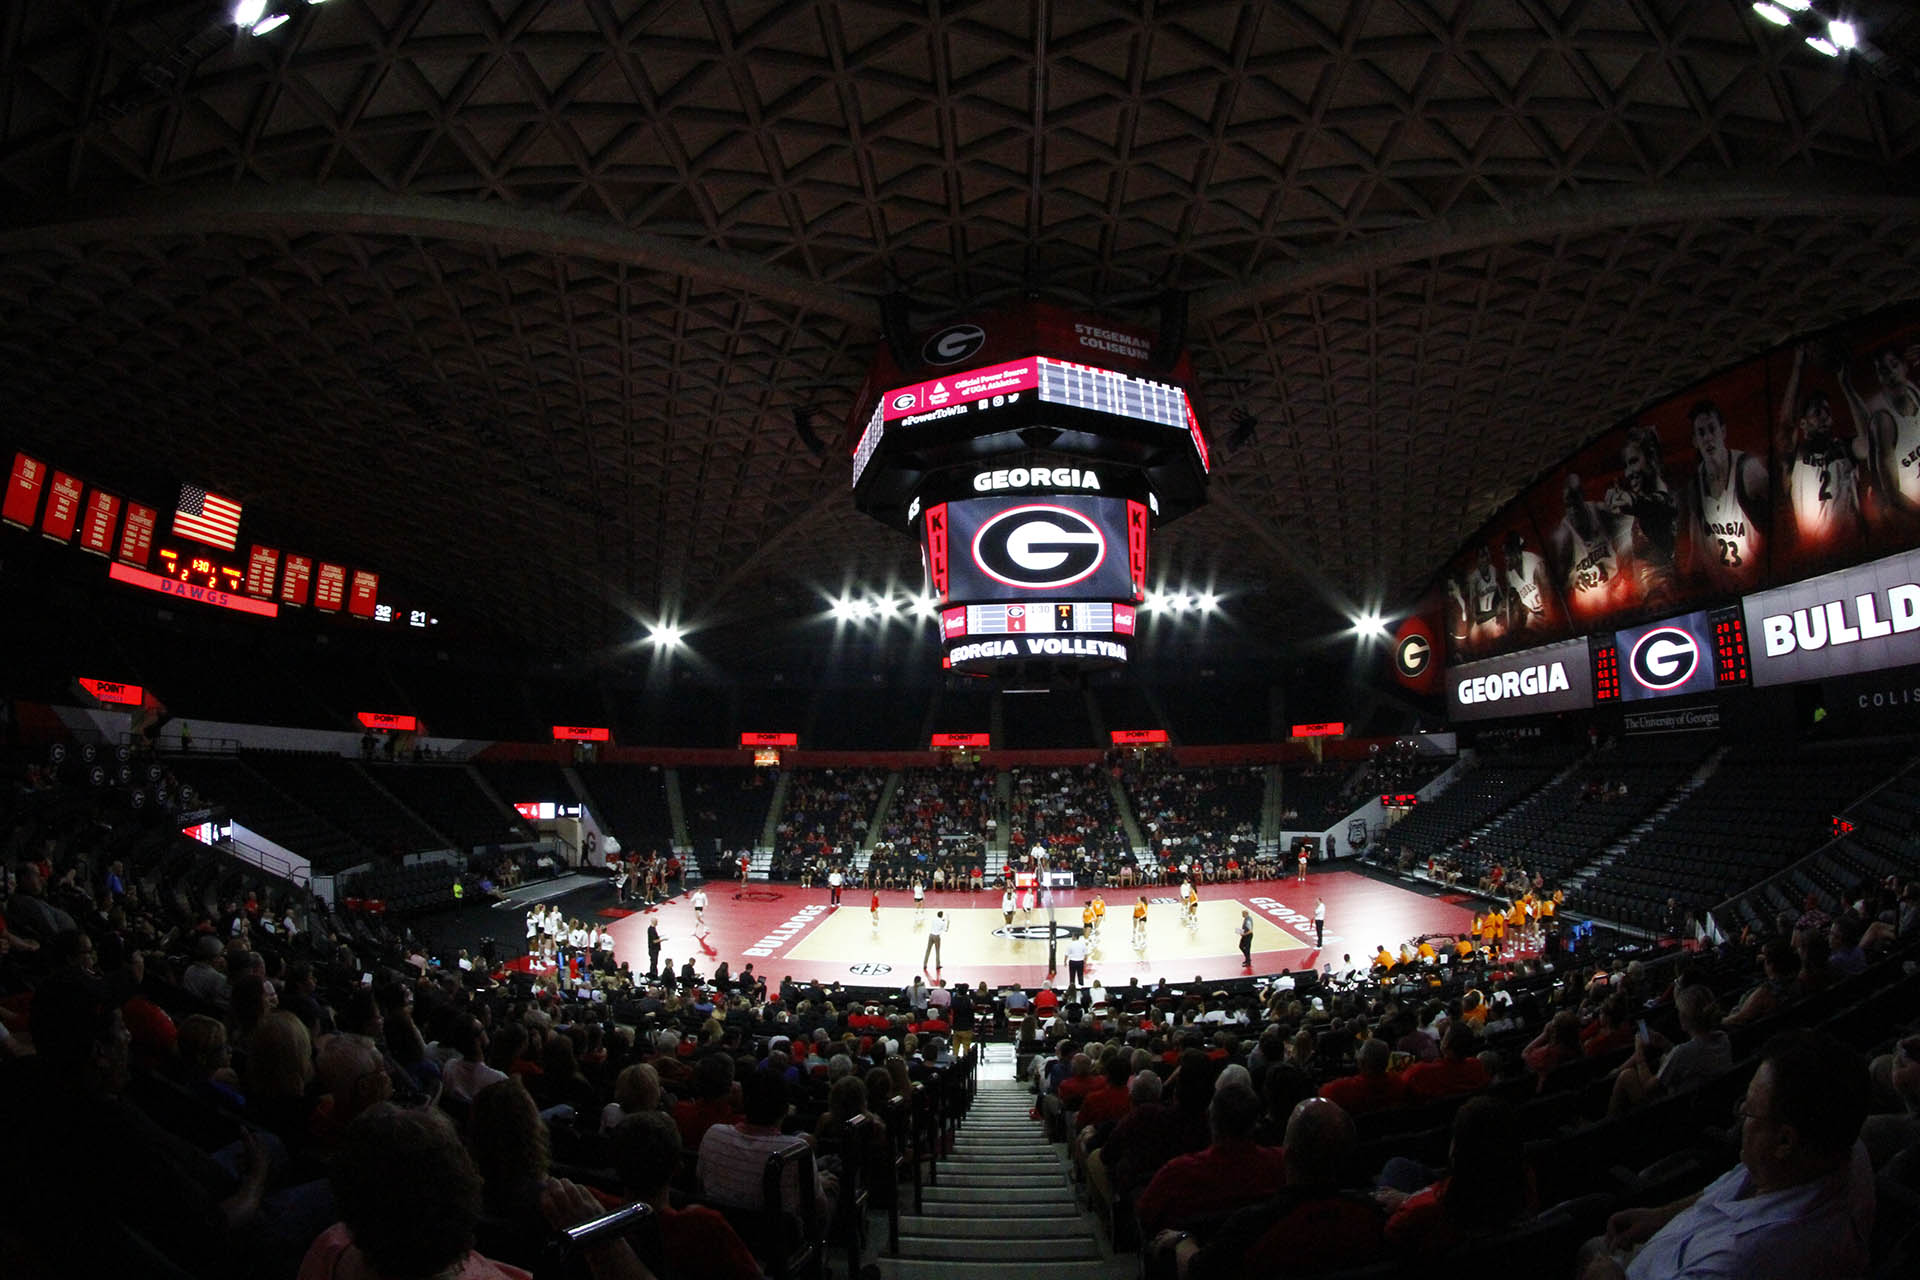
(1495, 782)
(1763, 808)
(338, 790)
(446, 799)
(630, 799)
(1211, 812)
(1568, 823)
(726, 809)
(260, 806)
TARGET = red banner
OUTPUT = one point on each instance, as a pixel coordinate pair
(769, 739)
(136, 535)
(295, 578)
(262, 565)
(1137, 526)
(365, 595)
(23, 491)
(580, 733)
(329, 586)
(187, 591)
(1326, 729)
(112, 691)
(389, 722)
(962, 740)
(1134, 737)
(63, 508)
(96, 530)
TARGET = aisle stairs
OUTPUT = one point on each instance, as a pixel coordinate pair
(1004, 1203)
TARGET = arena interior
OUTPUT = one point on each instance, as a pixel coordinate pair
(1186, 640)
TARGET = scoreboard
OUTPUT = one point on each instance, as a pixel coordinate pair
(1031, 454)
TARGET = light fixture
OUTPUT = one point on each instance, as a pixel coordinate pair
(1824, 46)
(1798, 6)
(271, 22)
(248, 12)
(925, 606)
(1370, 625)
(664, 635)
(1772, 13)
(1843, 34)
(1207, 602)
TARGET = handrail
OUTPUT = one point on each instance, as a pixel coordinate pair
(267, 861)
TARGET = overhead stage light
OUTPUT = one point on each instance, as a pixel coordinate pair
(1772, 13)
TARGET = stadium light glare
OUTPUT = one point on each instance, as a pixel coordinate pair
(1798, 6)
(247, 12)
(884, 608)
(1772, 13)
(664, 635)
(1824, 46)
(925, 606)
(1370, 625)
(272, 22)
(1207, 602)
(1843, 34)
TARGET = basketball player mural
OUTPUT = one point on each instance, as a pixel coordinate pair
(1647, 516)
(1529, 589)
(1486, 604)
(1586, 558)
(1893, 430)
(1820, 471)
(1726, 506)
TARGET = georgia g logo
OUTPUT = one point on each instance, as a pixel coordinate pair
(1664, 658)
(1039, 547)
(1412, 655)
(953, 344)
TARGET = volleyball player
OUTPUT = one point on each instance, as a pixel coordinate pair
(700, 907)
(1727, 501)
(1140, 923)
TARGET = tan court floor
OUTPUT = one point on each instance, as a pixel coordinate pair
(899, 939)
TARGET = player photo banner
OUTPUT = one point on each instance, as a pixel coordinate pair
(1038, 548)
(1554, 677)
(1845, 623)
(1500, 594)
(1846, 451)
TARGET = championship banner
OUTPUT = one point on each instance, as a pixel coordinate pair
(1845, 623)
(96, 528)
(136, 535)
(23, 491)
(63, 508)
(296, 578)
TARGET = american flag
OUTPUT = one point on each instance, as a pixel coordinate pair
(207, 517)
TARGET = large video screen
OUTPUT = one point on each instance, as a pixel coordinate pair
(1793, 464)
(1035, 548)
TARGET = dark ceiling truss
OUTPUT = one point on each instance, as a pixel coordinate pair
(558, 275)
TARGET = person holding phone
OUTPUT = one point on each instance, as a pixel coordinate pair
(1705, 1054)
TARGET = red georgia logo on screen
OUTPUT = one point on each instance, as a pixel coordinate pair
(1039, 547)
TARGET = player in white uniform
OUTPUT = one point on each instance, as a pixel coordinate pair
(1729, 506)
(1584, 553)
(699, 907)
(1893, 429)
(1486, 602)
(1819, 470)
(1527, 586)
(1191, 897)
(1647, 517)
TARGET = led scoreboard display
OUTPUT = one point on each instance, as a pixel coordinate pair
(1031, 453)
